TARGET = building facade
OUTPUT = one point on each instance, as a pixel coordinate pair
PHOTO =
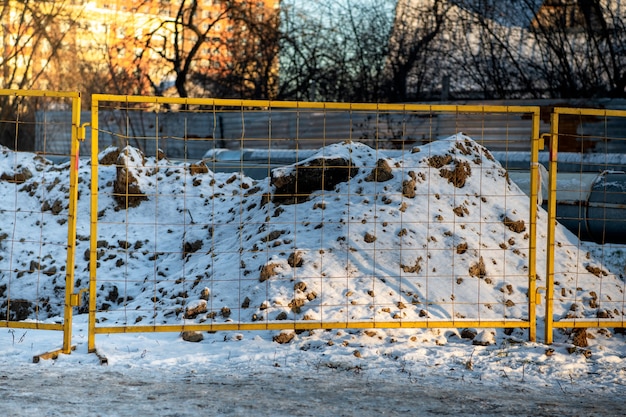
(129, 46)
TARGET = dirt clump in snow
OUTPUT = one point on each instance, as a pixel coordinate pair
(310, 176)
(18, 177)
(56, 207)
(415, 269)
(295, 259)
(199, 168)
(516, 226)
(579, 338)
(460, 211)
(478, 269)
(369, 238)
(439, 161)
(468, 334)
(205, 294)
(296, 304)
(461, 248)
(195, 309)
(191, 247)
(109, 156)
(458, 175)
(126, 189)
(381, 173)
(408, 186)
(599, 272)
(284, 338)
(18, 310)
(268, 271)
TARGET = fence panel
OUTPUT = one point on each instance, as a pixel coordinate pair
(587, 195)
(38, 213)
(388, 223)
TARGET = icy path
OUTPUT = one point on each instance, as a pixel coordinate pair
(109, 391)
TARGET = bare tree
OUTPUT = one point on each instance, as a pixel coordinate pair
(31, 39)
(581, 47)
(301, 50)
(605, 41)
(178, 39)
(540, 48)
(252, 48)
(415, 47)
(335, 50)
(488, 48)
(31, 42)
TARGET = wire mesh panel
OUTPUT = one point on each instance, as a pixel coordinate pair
(37, 227)
(588, 219)
(284, 215)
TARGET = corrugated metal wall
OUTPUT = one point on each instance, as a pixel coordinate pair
(311, 129)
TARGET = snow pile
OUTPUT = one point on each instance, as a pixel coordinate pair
(33, 236)
(349, 234)
(369, 237)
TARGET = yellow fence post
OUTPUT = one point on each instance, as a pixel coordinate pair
(534, 201)
(71, 227)
(550, 250)
(93, 240)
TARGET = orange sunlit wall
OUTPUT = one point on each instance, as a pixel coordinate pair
(113, 36)
(131, 21)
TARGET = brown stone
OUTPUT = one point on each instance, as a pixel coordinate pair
(268, 271)
(295, 259)
(579, 337)
(192, 336)
(381, 173)
(283, 338)
(192, 312)
(516, 226)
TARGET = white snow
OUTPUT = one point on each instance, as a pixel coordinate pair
(369, 253)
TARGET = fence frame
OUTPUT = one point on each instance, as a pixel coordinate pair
(71, 299)
(535, 145)
(550, 322)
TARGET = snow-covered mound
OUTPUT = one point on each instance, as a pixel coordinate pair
(349, 234)
(33, 236)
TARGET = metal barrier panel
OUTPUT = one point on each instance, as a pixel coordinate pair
(38, 213)
(388, 223)
(587, 220)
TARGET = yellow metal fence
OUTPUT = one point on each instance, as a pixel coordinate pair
(38, 213)
(587, 183)
(190, 203)
(222, 251)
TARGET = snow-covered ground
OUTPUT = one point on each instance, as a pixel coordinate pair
(437, 234)
(248, 374)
